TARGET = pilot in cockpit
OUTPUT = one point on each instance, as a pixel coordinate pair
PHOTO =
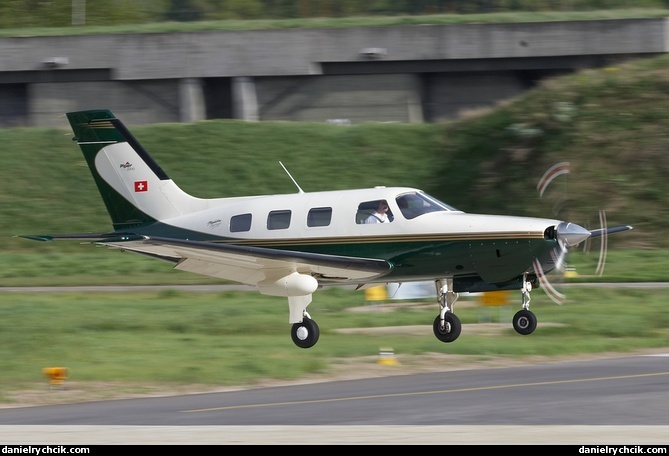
(380, 215)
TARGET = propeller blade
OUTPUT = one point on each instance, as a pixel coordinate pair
(554, 171)
(560, 260)
(603, 233)
(615, 229)
(603, 245)
(553, 294)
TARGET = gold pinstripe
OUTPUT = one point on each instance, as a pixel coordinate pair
(460, 237)
(101, 124)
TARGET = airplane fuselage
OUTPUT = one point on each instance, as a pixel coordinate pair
(438, 242)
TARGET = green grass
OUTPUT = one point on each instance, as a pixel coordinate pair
(329, 22)
(241, 338)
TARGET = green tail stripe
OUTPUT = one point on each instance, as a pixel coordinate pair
(93, 130)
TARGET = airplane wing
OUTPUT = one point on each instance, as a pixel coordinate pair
(244, 264)
(250, 265)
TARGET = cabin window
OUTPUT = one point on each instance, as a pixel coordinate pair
(240, 222)
(367, 212)
(319, 216)
(278, 220)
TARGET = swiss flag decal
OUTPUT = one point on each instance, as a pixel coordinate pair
(141, 186)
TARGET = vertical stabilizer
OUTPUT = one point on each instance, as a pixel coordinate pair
(135, 190)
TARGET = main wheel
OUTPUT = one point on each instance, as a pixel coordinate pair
(450, 330)
(305, 334)
(524, 322)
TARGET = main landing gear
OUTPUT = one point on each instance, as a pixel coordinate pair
(306, 333)
(447, 325)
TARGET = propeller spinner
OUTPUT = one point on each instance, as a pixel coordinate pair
(570, 234)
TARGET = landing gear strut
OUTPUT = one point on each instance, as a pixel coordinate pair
(306, 333)
(447, 325)
(524, 321)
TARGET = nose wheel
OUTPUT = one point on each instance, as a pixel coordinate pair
(524, 322)
(448, 329)
(447, 325)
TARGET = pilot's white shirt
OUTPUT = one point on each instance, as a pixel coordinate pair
(377, 218)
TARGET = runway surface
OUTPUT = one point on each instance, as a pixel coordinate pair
(611, 401)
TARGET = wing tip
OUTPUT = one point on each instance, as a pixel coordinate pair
(35, 237)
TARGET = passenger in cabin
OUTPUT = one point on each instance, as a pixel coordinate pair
(381, 214)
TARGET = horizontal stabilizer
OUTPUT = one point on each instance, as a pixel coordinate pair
(92, 237)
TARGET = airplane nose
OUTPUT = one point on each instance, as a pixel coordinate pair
(571, 234)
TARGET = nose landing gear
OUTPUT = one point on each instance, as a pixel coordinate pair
(524, 321)
(447, 325)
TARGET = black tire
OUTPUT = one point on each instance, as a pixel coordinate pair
(305, 334)
(451, 329)
(524, 322)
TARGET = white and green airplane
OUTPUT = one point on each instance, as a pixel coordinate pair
(293, 244)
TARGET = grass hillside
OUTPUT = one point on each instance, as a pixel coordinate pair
(132, 26)
(610, 124)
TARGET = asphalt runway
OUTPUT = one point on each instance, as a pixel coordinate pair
(610, 401)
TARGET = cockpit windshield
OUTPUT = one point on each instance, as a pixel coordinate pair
(415, 204)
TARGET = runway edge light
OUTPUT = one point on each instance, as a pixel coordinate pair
(387, 357)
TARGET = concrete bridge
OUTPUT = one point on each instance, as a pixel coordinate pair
(414, 73)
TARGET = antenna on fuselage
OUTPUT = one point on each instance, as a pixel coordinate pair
(291, 178)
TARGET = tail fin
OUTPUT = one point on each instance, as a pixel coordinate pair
(135, 190)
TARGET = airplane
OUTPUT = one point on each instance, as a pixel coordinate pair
(291, 245)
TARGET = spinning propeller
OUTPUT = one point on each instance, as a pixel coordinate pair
(568, 235)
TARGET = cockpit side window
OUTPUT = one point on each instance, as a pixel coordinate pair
(376, 211)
